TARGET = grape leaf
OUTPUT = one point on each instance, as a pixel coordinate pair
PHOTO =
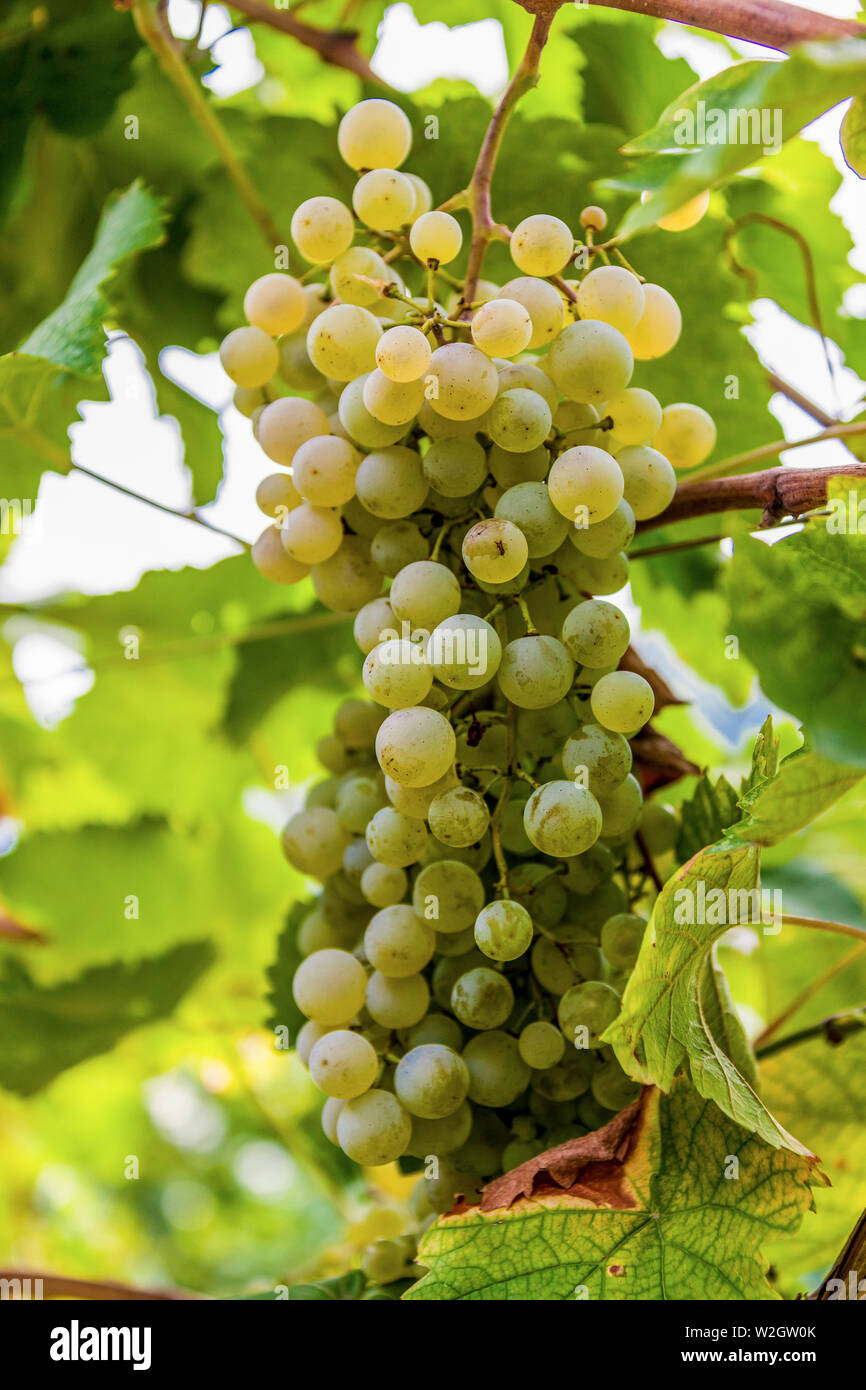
(676, 160)
(284, 1012)
(853, 136)
(706, 815)
(668, 1018)
(44, 1031)
(661, 1217)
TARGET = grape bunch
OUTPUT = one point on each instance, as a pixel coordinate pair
(462, 469)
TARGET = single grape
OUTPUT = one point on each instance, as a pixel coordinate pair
(596, 633)
(425, 594)
(529, 507)
(541, 1045)
(397, 1002)
(460, 382)
(431, 1081)
(329, 987)
(501, 328)
(397, 942)
(343, 1064)
(659, 327)
(540, 733)
(383, 199)
(458, 817)
(415, 746)
(591, 1006)
(396, 545)
(495, 551)
(384, 1262)
(382, 885)
(403, 353)
(660, 827)
(415, 801)
(585, 484)
(535, 671)
(276, 304)
(435, 236)
(286, 424)
(621, 938)
(392, 402)
(362, 427)
(272, 561)
(686, 435)
(330, 1113)
(440, 1137)
(308, 1035)
(436, 1028)
(613, 295)
(497, 1072)
(374, 134)
(606, 539)
(519, 420)
(591, 361)
(636, 415)
(313, 841)
(396, 674)
(373, 1129)
(621, 808)
(622, 701)
(390, 483)
(449, 895)
(312, 534)
(597, 758)
(358, 798)
(249, 356)
(503, 930)
(562, 819)
(482, 998)
(649, 482)
(276, 495)
(612, 1087)
(349, 579)
(567, 1080)
(542, 302)
(395, 839)
(541, 245)
(342, 341)
(423, 196)
(455, 467)
(322, 229)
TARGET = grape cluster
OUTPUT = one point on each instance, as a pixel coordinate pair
(465, 479)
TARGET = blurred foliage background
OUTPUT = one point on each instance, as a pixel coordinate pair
(151, 1131)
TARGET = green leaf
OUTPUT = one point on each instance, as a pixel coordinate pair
(669, 1019)
(38, 403)
(853, 136)
(676, 160)
(667, 1221)
(706, 815)
(44, 1032)
(72, 337)
(765, 759)
(284, 1012)
(627, 79)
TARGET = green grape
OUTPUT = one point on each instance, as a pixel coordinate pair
(384, 1262)
(595, 907)
(607, 538)
(542, 302)
(535, 672)
(455, 944)
(596, 633)
(591, 1006)
(612, 1087)
(510, 468)
(482, 998)
(415, 746)
(349, 579)
(390, 483)
(607, 576)
(527, 374)
(313, 841)
(541, 245)
(330, 1114)
(362, 427)
(464, 652)
(396, 674)
(458, 817)
(572, 417)
(529, 507)
(272, 561)
(508, 587)
(621, 808)
(622, 701)
(308, 1035)
(540, 892)
(286, 424)
(518, 420)
(425, 594)
(343, 1064)
(322, 794)
(482, 1152)
(591, 361)
(397, 943)
(497, 1072)
(460, 381)
(383, 199)
(275, 303)
(311, 534)
(392, 402)
(613, 295)
(503, 930)
(587, 872)
(686, 435)
(449, 895)
(359, 797)
(397, 544)
(435, 236)
(436, 426)
(636, 415)
(551, 1112)
(403, 353)
(333, 755)
(567, 1080)
(350, 272)
(495, 551)
(373, 1129)
(329, 986)
(585, 484)
(520, 1151)
(501, 328)
(540, 732)
(621, 938)
(374, 134)
(659, 326)
(557, 965)
(323, 470)
(431, 1081)
(382, 885)
(397, 1001)
(447, 971)
(649, 481)
(341, 342)
(475, 857)
(437, 1028)
(440, 1137)
(356, 724)
(356, 859)
(660, 828)
(395, 839)
(295, 367)
(562, 1135)
(374, 621)
(322, 229)
(249, 356)
(541, 1045)
(455, 467)
(415, 801)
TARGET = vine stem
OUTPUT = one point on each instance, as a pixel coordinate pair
(832, 1030)
(725, 467)
(778, 492)
(817, 924)
(769, 22)
(154, 30)
(161, 506)
(338, 46)
(813, 988)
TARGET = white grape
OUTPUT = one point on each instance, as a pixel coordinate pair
(343, 1064)
(391, 484)
(392, 402)
(528, 505)
(272, 561)
(324, 469)
(342, 341)
(312, 534)
(415, 746)
(455, 467)
(586, 484)
(497, 1072)
(622, 701)
(276, 495)
(659, 327)
(503, 930)
(535, 671)
(374, 134)
(541, 1045)
(543, 303)
(383, 199)
(464, 651)
(686, 435)
(562, 819)
(621, 807)
(397, 1002)
(591, 361)
(403, 353)
(346, 276)
(436, 236)
(636, 415)
(458, 817)
(349, 579)
(605, 538)
(396, 674)
(373, 1129)
(613, 295)
(275, 303)
(362, 427)
(482, 998)
(501, 328)
(424, 594)
(649, 481)
(330, 986)
(322, 229)
(431, 1081)
(596, 633)
(286, 424)
(397, 942)
(519, 420)
(383, 885)
(541, 245)
(495, 550)
(461, 382)
(249, 356)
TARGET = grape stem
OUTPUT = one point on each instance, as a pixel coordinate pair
(832, 1029)
(338, 46)
(778, 492)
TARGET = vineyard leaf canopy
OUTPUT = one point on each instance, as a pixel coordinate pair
(675, 1222)
(669, 1017)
